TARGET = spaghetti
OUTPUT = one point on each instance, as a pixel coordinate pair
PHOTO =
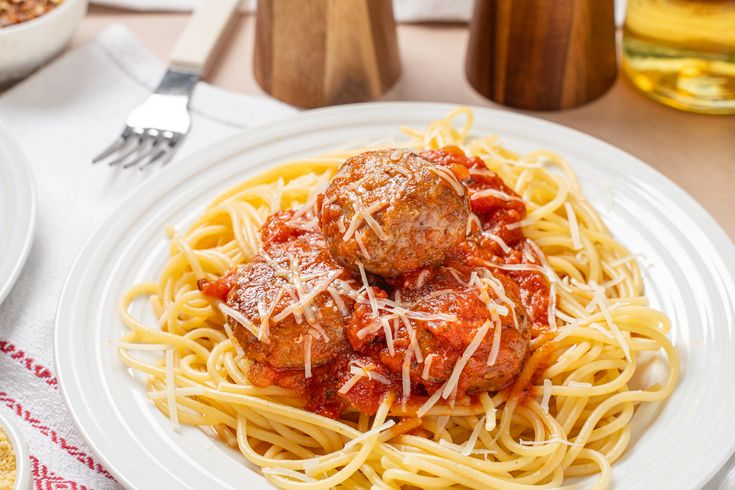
(566, 414)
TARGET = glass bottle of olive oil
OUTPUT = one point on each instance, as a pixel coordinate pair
(682, 52)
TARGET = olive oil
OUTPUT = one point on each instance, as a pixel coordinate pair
(682, 52)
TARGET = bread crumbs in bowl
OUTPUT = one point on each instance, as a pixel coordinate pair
(15, 464)
(34, 31)
(17, 11)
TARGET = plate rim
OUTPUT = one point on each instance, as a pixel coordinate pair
(27, 186)
(716, 234)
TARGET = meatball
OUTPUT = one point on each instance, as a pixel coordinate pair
(443, 341)
(393, 212)
(273, 282)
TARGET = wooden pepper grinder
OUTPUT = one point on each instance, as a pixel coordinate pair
(541, 54)
(321, 52)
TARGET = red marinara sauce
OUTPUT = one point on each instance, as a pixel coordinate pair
(493, 241)
(220, 287)
(498, 208)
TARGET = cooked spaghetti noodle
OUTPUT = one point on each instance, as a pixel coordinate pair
(567, 414)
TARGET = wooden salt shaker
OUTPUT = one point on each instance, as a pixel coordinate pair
(321, 52)
(541, 54)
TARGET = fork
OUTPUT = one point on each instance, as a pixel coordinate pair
(154, 130)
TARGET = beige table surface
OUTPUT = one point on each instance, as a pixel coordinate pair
(695, 151)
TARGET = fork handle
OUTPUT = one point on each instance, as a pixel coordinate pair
(195, 48)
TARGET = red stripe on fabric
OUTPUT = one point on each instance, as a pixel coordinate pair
(41, 372)
(74, 451)
(45, 479)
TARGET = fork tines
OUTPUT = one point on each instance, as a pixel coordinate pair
(154, 129)
(137, 146)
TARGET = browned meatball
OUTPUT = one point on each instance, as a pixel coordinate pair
(393, 212)
(443, 341)
(271, 279)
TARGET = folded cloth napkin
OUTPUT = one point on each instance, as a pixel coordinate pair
(63, 116)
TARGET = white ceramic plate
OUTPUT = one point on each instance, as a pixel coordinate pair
(17, 211)
(690, 275)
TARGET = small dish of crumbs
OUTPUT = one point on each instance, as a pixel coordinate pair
(7, 462)
(15, 465)
(16, 11)
(32, 32)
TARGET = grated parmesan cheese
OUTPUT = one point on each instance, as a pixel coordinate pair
(406, 378)
(503, 246)
(372, 328)
(472, 218)
(453, 380)
(469, 446)
(457, 276)
(338, 300)
(374, 432)
(368, 290)
(400, 170)
(374, 225)
(277, 196)
(388, 335)
(362, 213)
(307, 356)
(173, 411)
(306, 299)
(350, 383)
(300, 292)
(551, 310)
(519, 267)
(494, 193)
(601, 329)
(239, 318)
(497, 335)
(441, 423)
(231, 335)
(623, 260)
(573, 226)
(370, 372)
(427, 366)
(412, 337)
(449, 177)
(264, 330)
(431, 401)
(546, 397)
(361, 244)
(423, 275)
(601, 301)
(521, 224)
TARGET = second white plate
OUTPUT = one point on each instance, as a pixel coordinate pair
(689, 265)
(17, 211)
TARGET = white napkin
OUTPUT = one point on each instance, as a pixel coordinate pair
(63, 116)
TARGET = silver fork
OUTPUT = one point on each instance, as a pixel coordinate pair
(154, 129)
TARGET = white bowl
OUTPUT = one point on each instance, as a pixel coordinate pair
(26, 46)
(22, 459)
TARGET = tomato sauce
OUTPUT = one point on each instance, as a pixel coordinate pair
(496, 213)
(495, 243)
(220, 287)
